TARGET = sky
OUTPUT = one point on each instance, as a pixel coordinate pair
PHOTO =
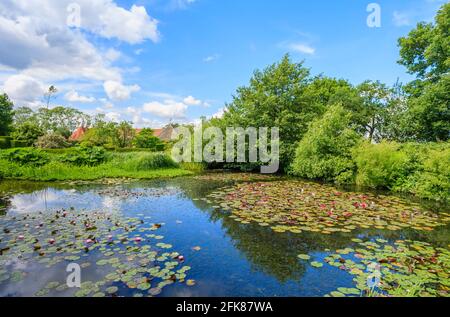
(158, 61)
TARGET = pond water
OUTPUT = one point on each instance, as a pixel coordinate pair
(176, 238)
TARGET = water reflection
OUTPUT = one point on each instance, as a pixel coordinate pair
(234, 260)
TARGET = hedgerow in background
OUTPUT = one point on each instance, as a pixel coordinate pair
(325, 150)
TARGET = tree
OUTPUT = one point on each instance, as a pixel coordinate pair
(376, 99)
(325, 150)
(146, 140)
(48, 95)
(275, 98)
(27, 133)
(425, 52)
(62, 120)
(6, 114)
(24, 114)
(124, 134)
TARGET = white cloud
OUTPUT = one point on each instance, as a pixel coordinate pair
(117, 91)
(113, 116)
(24, 90)
(112, 55)
(169, 109)
(133, 26)
(38, 44)
(73, 96)
(301, 48)
(191, 101)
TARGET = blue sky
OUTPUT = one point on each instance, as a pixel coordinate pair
(153, 61)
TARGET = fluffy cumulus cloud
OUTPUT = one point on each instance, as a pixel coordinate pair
(117, 91)
(73, 96)
(40, 47)
(24, 90)
(191, 101)
(168, 109)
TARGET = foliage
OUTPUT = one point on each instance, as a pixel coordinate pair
(109, 134)
(124, 134)
(142, 161)
(380, 165)
(5, 142)
(324, 151)
(52, 141)
(28, 133)
(275, 98)
(118, 165)
(85, 155)
(146, 140)
(426, 49)
(25, 156)
(6, 114)
(425, 52)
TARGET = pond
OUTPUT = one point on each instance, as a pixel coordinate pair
(219, 235)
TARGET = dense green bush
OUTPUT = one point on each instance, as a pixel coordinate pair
(146, 140)
(381, 165)
(28, 133)
(25, 156)
(431, 176)
(84, 155)
(52, 141)
(5, 142)
(324, 151)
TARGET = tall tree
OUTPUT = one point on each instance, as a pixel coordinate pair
(6, 114)
(426, 53)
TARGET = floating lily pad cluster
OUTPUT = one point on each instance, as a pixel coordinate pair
(127, 251)
(403, 268)
(300, 206)
(234, 177)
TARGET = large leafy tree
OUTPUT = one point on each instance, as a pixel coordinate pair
(6, 114)
(275, 98)
(426, 53)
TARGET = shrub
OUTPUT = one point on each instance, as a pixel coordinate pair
(381, 165)
(146, 140)
(52, 141)
(5, 142)
(25, 156)
(431, 178)
(84, 155)
(324, 151)
(27, 133)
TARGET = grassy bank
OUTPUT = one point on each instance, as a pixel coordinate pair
(31, 164)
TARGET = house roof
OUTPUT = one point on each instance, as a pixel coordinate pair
(78, 134)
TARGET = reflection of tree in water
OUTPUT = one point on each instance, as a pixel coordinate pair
(276, 253)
